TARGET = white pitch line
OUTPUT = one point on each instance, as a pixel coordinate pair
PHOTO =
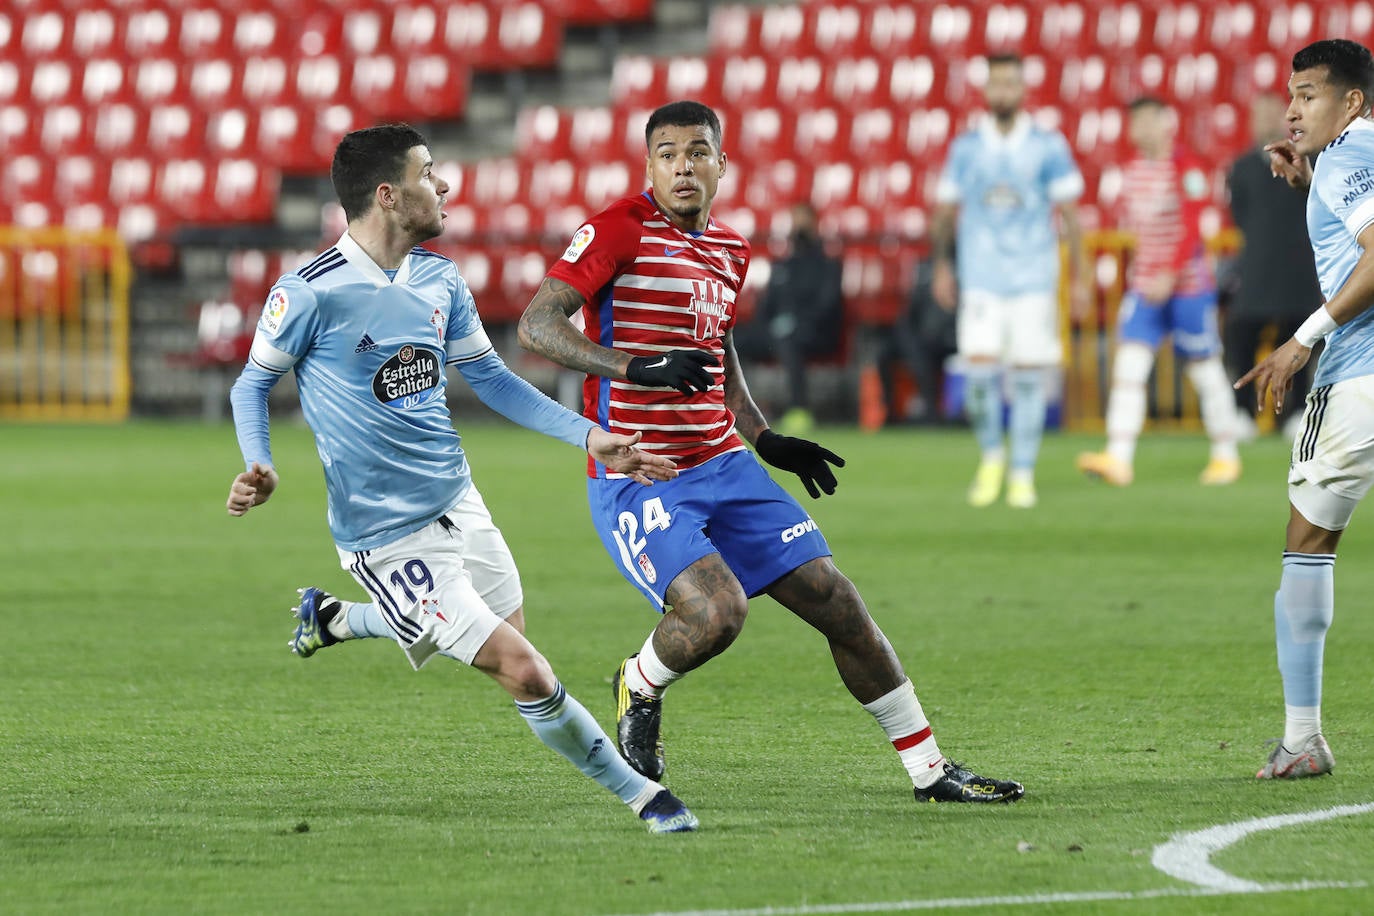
(1186, 855)
(955, 903)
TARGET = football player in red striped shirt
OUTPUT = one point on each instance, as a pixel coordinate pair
(653, 281)
(1170, 292)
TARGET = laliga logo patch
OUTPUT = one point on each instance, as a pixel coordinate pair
(408, 379)
(647, 566)
(580, 241)
(274, 311)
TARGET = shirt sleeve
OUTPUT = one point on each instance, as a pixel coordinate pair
(1062, 178)
(287, 327)
(520, 402)
(949, 188)
(464, 338)
(248, 399)
(599, 251)
(1347, 182)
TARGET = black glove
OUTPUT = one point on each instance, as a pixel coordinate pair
(680, 369)
(802, 457)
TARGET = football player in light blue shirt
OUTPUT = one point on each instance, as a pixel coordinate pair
(1003, 184)
(1332, 468)
(369, 327)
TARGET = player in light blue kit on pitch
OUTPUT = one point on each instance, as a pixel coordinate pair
(1003, 184)
(368, 327)
(1333, 457)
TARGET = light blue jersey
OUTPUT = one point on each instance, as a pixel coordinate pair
(1339, 207)
(1006, 187)
(369, 352)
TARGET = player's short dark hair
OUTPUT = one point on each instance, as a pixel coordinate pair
(1141, 102)
(1348, 64)
(367, 158)
(685, 113)
(1005, 57)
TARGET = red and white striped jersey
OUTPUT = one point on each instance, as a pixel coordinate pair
(649, 288)
(1163, 201)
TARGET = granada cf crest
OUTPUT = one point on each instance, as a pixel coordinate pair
(708, 307)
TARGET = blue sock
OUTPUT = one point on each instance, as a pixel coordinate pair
(1028, 406)
(367, 622)
(983, 403)
(1303, 608)
(564, 724)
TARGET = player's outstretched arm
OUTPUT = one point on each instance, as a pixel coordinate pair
(545, 328)
(619, 454)
(252, 488)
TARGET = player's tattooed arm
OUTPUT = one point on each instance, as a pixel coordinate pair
(749, 421)
(546, 329)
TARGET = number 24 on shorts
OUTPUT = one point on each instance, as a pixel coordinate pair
(656, 518)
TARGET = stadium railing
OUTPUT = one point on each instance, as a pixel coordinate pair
(64, 325)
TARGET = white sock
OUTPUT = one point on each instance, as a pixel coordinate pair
(1127, 401)
(1218, 406)
(1299, 724)
(646, 675)
(900, 715)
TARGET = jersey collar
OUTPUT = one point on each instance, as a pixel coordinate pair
(354, 254)
(987, 126)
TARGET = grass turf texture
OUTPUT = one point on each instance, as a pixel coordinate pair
(1112, 649)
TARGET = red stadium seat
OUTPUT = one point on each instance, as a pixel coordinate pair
(150, 30)
(524, 34)
(242, 191)
(18, 130)
(858, 83)
(893, 29)
(465, 27)
(837, 29)
(117, 130)
(156, 79)
(598, 12)
(801, 82)
(782, 31)
(132, 180)
(414, 29)
(94, 32)
(204, 31)
(608, 181)
(265, 81)
(63, 127)
(229, 132)
(285, 135)
(259, 31)
(320, 80)
(52, 82)
(211, 82)
(176, 130)
(26, 178)
(104, 80)
(44, 32)
(734, 31)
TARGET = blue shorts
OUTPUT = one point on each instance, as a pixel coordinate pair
(1192, 320)
(729, 505)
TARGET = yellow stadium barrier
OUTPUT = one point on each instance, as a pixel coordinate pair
(64, 325)
(1088, 345)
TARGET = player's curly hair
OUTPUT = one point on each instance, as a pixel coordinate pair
(367, 158)
(1348, 64)
(685, 113)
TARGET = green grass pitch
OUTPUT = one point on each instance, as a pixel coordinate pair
(163, 752)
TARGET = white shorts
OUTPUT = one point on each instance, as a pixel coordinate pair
(444, 588)
(1015, 330)
(1333, 456)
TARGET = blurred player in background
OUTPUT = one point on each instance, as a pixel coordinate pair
(1170, 292)
(369, 327)
(1333, 457)
(1278, 282)
(1003, 184)
(655, 280)
(800, 315)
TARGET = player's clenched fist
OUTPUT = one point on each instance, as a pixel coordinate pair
(251, 488)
